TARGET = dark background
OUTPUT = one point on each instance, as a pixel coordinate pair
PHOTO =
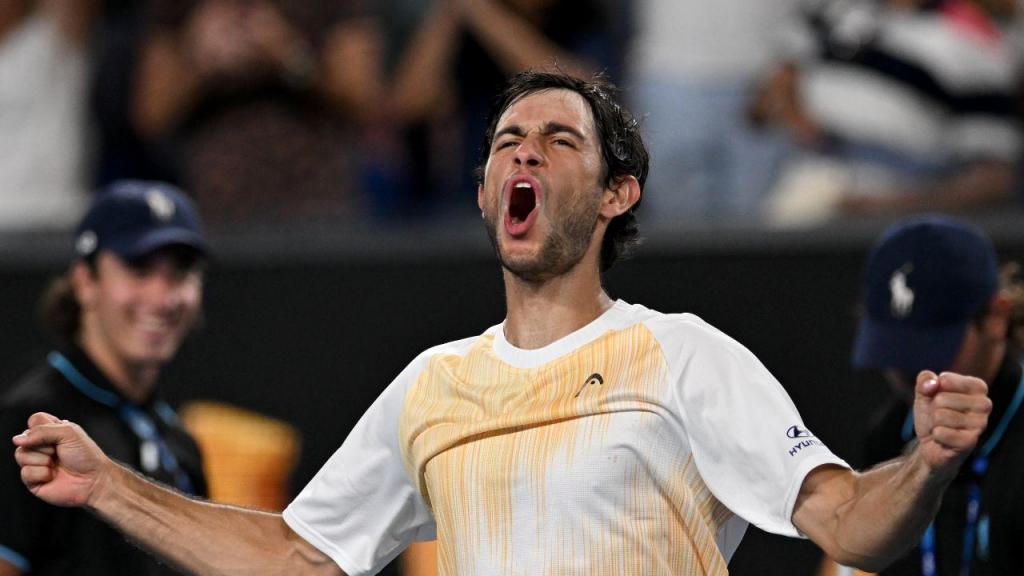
(309, 327)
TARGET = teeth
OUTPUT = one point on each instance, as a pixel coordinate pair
(523, 185)
(153, 324)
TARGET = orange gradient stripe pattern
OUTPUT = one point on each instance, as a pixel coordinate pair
(551, 470)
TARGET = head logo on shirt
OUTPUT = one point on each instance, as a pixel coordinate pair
(594, 379)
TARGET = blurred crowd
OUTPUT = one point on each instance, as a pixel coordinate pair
(283, 113)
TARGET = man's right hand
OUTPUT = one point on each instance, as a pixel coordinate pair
(59, 462)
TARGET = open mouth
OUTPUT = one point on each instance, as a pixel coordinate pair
(523, 196)
(522, 202)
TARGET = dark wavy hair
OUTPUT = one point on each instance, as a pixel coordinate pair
(60, 314)
(622, 148)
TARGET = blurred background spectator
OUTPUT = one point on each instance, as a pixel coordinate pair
(266, 100)
(694, 67)
(44, 125)
(899, 106)
(285, 114)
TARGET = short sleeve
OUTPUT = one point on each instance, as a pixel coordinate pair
(362, 508)
(747, 438)
(27, 517)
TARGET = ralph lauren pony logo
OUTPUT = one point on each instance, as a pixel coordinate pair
(594, 379)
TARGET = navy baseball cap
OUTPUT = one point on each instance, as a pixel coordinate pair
(925, 279)
(133, 218)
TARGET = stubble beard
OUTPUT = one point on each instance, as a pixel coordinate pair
(562, 250)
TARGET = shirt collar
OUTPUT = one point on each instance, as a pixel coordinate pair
(87, 368)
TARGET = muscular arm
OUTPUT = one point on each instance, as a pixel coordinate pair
(61, 465)
(166, 85)
(514, 42)
(981, 185)
(868, 520)
(204, 537)
(352, 65)
(425, 68)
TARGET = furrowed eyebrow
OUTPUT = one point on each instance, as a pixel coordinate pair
(556, 127)
(514, 130)
(548, 129)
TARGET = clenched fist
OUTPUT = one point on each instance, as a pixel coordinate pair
(59, 462)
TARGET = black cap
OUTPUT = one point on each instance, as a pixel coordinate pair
(133, 218)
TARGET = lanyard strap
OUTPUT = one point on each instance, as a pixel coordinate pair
(154, 451)
(979, 466)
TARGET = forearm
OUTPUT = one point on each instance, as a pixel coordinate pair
(425, 67)
(204, 537)
(893, 506)
(352, 69)
(165, 87)
(984, 185)
(981, 185)
(880, 513)
(515, 43)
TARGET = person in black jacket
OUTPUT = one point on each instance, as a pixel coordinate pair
(120, 312)
(934, 299)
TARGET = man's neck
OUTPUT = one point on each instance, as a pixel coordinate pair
(133, 382)
(996, 359)
(540, 313)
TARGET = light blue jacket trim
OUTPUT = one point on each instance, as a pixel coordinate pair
(15, 559)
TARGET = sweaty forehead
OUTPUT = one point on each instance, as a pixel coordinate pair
(539, 109)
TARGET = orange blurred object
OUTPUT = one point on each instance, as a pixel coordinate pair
(247, 457)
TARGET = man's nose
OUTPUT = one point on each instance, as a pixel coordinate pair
(528, 154)
(167, 288)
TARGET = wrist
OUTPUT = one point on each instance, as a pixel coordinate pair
(109, 480)
(929, 475)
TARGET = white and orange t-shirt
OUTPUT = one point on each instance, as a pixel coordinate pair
(642, 443)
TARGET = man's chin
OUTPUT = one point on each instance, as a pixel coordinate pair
(536, 268)
(529, 274)
(156, 356)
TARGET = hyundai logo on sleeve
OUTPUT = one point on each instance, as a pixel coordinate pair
(798, 432)
(807, 439)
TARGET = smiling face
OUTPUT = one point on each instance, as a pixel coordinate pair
(543, 184)
(135, 315)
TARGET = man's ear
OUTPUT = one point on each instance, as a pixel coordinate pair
(997, 319)
(480, 197)
(83, 283)
(621, 194)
